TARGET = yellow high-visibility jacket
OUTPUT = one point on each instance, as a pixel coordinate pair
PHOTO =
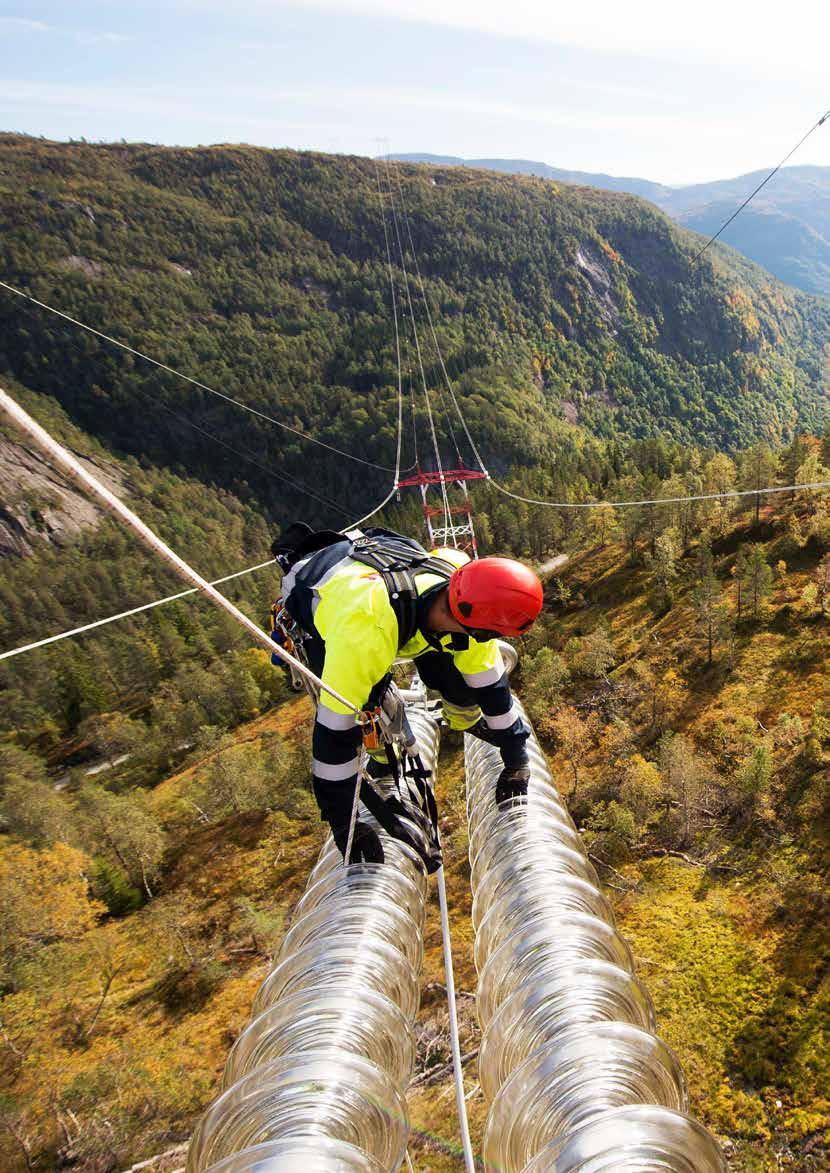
(353, 615)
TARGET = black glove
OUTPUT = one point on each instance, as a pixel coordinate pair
(512, 783)
(366, 845)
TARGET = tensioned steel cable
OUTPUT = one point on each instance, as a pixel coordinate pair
(763, 183)
(397, 473)
(397, 331)
(430, 418)
(187, 378)
(72, 467)
(422, 288)
(815, 485)
(41, 643)
(805, 486)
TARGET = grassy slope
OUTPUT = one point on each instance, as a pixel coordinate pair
(737, 978)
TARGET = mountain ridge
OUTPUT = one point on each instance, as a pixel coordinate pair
(798, 197)
(263, 273)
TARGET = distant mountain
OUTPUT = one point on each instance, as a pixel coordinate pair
(786, 228)
(641, 187)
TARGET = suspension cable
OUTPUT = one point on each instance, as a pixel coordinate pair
(188, 379)
(397, 331)
(814, 485)
(414, 420)
(260, 565)
(298, 486)
(52, 639)
(754, 193)
(425, 299)
(434, 436)
(732, 493)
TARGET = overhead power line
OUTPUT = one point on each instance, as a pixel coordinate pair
(422, 288)
(52, 639)
(430, 418)
(814, 485)
(188, 379)
(763, 183)
(296, 485)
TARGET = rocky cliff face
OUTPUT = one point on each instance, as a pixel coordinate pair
(37, 504)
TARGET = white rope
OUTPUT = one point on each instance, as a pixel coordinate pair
(458, 1070)
(76, 472)
(347, 855)
(42, 643)
(187, 378)
(661, 500)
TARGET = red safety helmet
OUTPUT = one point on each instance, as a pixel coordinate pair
(495, 596)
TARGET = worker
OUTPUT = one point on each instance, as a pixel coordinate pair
(365, 600)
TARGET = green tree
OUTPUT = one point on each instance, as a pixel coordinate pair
(758, 469)
(757, 579)
(752, 781)
(663, 566)
(123, 827)
(710, 611)
(686, 779)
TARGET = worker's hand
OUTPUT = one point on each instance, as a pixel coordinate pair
(366, 845)
(512, 783)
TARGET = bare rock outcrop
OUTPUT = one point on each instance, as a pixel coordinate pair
(37, 504)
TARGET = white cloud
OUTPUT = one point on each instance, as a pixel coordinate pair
(721, 32)
(19, 22)
(82, 36)
(100, 38)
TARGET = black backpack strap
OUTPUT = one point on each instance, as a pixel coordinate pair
(397, 559)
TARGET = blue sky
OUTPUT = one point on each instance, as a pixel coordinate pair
(626, 89)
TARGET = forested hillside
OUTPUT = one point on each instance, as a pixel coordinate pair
(156, 824)
(263, 274)
(677, 679)
(786, 228)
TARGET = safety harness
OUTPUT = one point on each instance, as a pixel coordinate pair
(397, 559)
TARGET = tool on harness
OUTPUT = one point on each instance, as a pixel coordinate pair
(400, 797)
(289, 635)
(372, 730)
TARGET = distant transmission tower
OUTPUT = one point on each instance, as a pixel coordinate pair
(460, 532)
